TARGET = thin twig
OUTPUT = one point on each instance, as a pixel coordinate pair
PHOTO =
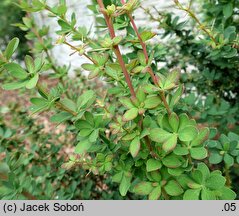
(58, 104)
(201, 26)
(150, 70)
(116, 48)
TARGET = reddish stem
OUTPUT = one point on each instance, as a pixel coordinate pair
(116, 48)
(139, 37)
(150, 70)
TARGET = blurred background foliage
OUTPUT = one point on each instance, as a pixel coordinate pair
(9, 15)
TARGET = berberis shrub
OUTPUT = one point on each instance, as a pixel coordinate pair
(136, 131)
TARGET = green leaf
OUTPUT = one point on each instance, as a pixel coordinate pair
(85, 132)
(215, 181)
(83, 146)
(141, 58)
(225, 140)
(176, 96)
(38, 64)
(117, 40)
(11, 48)
(70, 104)
(147, 35)
(149, 88)
(8, 133)
(202, 167)
(184, 180)
(61, 10)
(172, 188)
(175, 172)
(125, 183)
(174, 121)
(32, 82)
(198, 177)
(29, 62)
(117, 177)
(38, 101)
(153, 164)
(207, 194)
(188, 133)
(152, 102)
(171, 80)
(213, 133)
(233, 148)
(159, 135)
(140, 95)
(38, 5)
(113, 71)
(108, 166)
(227, 194)
(228, 10)
(230, 54)
(202, 136)
(137, 69)
(4, 168)
(94, 135)
(212, 143)
(232, 136)
(86, 99)
(82, 124)
(170, 143)
(143, 188)
(88, 67)
(181, 150)
(171, 161)
(93, 74)
(155, 175)
(192, 194)
(184, 121)
(100, 59)
(135, 146)
(39, 105)
(198, 153)
(194, 185)
(130, 114)
(163, 122)
(155, 193)
(27, 21)
(215, 158)
(228, 159)
(13, 86)
(126, 102)
(65, 27)
(61, 117)
(230, 33)
(129, 136)
(144, 133)
(16, 70)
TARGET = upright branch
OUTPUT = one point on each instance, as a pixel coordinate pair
(117, 52)
(150, 70)
(192, 14)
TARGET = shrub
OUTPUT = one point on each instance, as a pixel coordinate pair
(136, 131)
